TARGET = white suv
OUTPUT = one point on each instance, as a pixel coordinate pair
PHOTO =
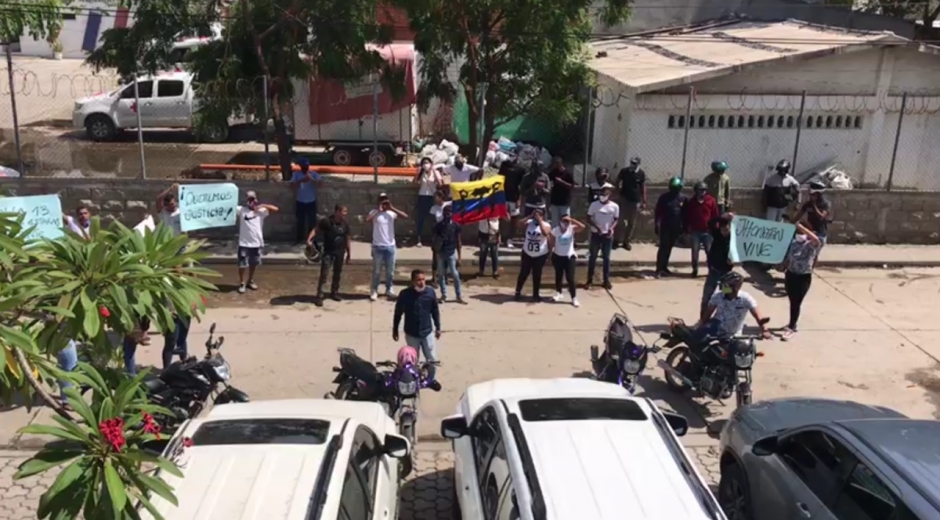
(300, 459)
(559, 449)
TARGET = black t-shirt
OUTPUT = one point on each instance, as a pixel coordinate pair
(631, 181)
(333, 235)
(719, 253)
(561, 195)
(445, 237)
(669, 210)
(819, 223)
(513, 175)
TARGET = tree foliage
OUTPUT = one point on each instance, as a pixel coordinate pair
(530, 55)
(924, 11)
(37, 18)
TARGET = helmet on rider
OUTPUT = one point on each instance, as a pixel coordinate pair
(675, 184)
(719, 166)
(407, 356)
(730, 283)
(783, 167)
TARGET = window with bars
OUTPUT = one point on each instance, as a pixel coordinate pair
(767, 121)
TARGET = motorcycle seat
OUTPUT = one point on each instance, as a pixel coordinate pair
(358, 368)
(154, 385)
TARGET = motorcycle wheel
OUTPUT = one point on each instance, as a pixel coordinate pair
(346, 390)
(678, 359)
(407, 430)
(744, 395)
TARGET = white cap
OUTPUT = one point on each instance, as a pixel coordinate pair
(250, 194)
(607, 186)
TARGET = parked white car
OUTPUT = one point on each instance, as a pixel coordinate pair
(166, 101)
(559, 449)
(298, 459)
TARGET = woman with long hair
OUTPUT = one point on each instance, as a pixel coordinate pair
(563, 258)
(535, 248)
(428, 180)
(798, 273)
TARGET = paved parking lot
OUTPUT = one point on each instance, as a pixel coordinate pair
(865, 335)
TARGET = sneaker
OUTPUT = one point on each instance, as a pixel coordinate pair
(557, 298)
(575, 303)
(461, 301)
(390, 293)
(536, 299)
(786, 334)
(335, 297)
(418, 244)
(442, 299)
(694, 273)
(480, 274)
(496, 275)
(318, 301)
(252, 285)
(627, 246)
(608, 286)
(517, 297)
(241, 289)
(588, 285)
(374, 296)
(509, 245)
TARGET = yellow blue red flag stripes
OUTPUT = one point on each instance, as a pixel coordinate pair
(479, 200)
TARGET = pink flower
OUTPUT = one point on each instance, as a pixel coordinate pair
(113, 432)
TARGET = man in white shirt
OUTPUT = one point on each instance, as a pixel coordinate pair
(460, 171)
(251, 238)
(168, 208)
(383, 244)
(80, 224)
(603, 215)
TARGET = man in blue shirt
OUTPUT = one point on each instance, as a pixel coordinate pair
(305, 184)
(447, 244)
(418, 304)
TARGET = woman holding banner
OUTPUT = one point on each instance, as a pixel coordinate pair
(798, 269)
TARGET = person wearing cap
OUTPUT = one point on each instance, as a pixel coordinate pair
(383, 244)
(818, 213)
(668, 223)
(601, 176)
(602, 217)
(251, 238)
(697, 213)
(168, 208)
(718, 257)
(631, 182)
(305, 182)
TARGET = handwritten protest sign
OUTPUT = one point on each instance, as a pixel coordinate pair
(42, 211)
(759, 240)
(207, 205)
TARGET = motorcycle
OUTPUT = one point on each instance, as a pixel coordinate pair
(622, 361)
(397, 389)
(715, 367)
(185, 387)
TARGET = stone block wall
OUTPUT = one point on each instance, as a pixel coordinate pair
(861, 216)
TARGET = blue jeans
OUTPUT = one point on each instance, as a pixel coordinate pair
(67, 361)
(130, 356)
(422, 210)
(426, 345)
(383, 256)
(557, 212)
(711, 284)
(174, 342)
(699, 241)
(448, 265)
(602, 244)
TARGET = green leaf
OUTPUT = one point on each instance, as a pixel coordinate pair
(17, 338)
(115, 486)
(85, 435)
(54, 431)
(77, 402)
(75, 472)
(161, 462)
(92, 322)
(158, 486)
(45, 460)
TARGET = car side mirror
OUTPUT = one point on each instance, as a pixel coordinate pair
(396, 446)
(766, 446)
(454, 427)
(678, 423)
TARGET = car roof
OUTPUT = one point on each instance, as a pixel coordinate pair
(517, 388)
(793, 412)
(257, 481)
(910, 446)
(612, 469)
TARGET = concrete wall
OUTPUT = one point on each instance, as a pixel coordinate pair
(73, 32)
(860, 216)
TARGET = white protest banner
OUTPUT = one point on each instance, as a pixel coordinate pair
(144, 225)
(207, 205)
(759, 240)
(42, 211)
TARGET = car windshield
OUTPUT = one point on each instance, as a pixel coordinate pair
(262, 431)
(580, 409)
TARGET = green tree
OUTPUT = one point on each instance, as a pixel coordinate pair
(531, 56)
(264, 43)
(924, 11)
(37, 18)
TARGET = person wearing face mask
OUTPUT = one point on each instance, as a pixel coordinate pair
(719, 256)
(417, 304)
(780, 190)
(538, 235)
(448, 246)
(602, 217)
(460, 171)
(168, 208)
(798, 273)
(563, 258)
(697, 213)
(251, 218)
(428, 180)
(727, 311)
(632, 184)
(601, 176)
(668, 224)
(818, 212)
(80, 224)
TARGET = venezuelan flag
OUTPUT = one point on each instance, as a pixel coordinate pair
(479, 200)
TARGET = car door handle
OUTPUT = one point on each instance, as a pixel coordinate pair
(804, 510)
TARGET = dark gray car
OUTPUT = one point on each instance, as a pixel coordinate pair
(791, 459)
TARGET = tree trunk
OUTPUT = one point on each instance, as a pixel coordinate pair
(473, 116)
(50, 401)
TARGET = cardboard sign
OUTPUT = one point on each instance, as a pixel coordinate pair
(207, 206)
(42, 211)
(759, 240)
(144, 225)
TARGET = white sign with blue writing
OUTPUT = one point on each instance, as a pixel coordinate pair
(43, 213)
(207, 205)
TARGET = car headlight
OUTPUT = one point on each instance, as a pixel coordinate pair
(223, 370)
(744, 360)
(632, 366)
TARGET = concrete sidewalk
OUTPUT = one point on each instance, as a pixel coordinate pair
(642, 255)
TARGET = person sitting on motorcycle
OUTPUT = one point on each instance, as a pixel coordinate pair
(727, 311)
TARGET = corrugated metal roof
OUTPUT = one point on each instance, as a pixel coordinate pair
(659, 60)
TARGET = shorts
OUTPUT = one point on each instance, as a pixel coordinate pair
(249, 256)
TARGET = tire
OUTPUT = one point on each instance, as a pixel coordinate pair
(732, 493)
(743, 395)
(378, 158)
(345, 391)
(214, 134)
(674, 384)
(100, 127)
(343, 157)
(407, 430)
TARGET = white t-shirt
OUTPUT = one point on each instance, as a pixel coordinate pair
(171, 220)
(429, 181)
(564, 241)
(250, 233)
(460, 175)
(536, 241)
(489, 227)
(77, 228)
(438, 210)
(604, 215)
(383, 228)
(732, 313)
